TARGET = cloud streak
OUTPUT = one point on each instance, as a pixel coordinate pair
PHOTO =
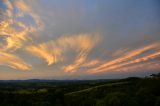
(153, 65)
(13, 61)
(129, 58)
(14, 31)
(55, 50)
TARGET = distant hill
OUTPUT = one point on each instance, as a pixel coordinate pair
(131, 91)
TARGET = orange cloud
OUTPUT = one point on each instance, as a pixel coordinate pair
(91, 63)
(128, 59)
(13, 61)
(80, 59)
(119, 52)
(80, 62)
(135, 61)
(140, 66)
(85, 44)
(14, 31)
(45, 51)
(54, 51)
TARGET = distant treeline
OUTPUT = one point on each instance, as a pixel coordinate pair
(125, 92)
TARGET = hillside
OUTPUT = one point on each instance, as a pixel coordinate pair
(128, 92)
(124, 92)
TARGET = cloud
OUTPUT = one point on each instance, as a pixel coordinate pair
(80, 62)
(129, 58)
(13, 61)
(153, 65)
(91, 63)
(80, 59)
(119, 52)
(86, 44)
(15, 31)
(53, 51)
(46, 51)
(67, 40)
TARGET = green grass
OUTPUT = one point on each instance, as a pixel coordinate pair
(96, 87)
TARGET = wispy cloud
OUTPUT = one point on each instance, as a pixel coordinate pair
(129, 58)
(67, 41)
(53, 51)
(91, 63)
(119, 52)
(147, 66)
(86, 44)
(13, 61)
(14, 31)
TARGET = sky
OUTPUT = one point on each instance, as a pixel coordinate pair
(79, 39)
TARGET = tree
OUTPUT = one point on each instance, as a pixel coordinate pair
(117, 99)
